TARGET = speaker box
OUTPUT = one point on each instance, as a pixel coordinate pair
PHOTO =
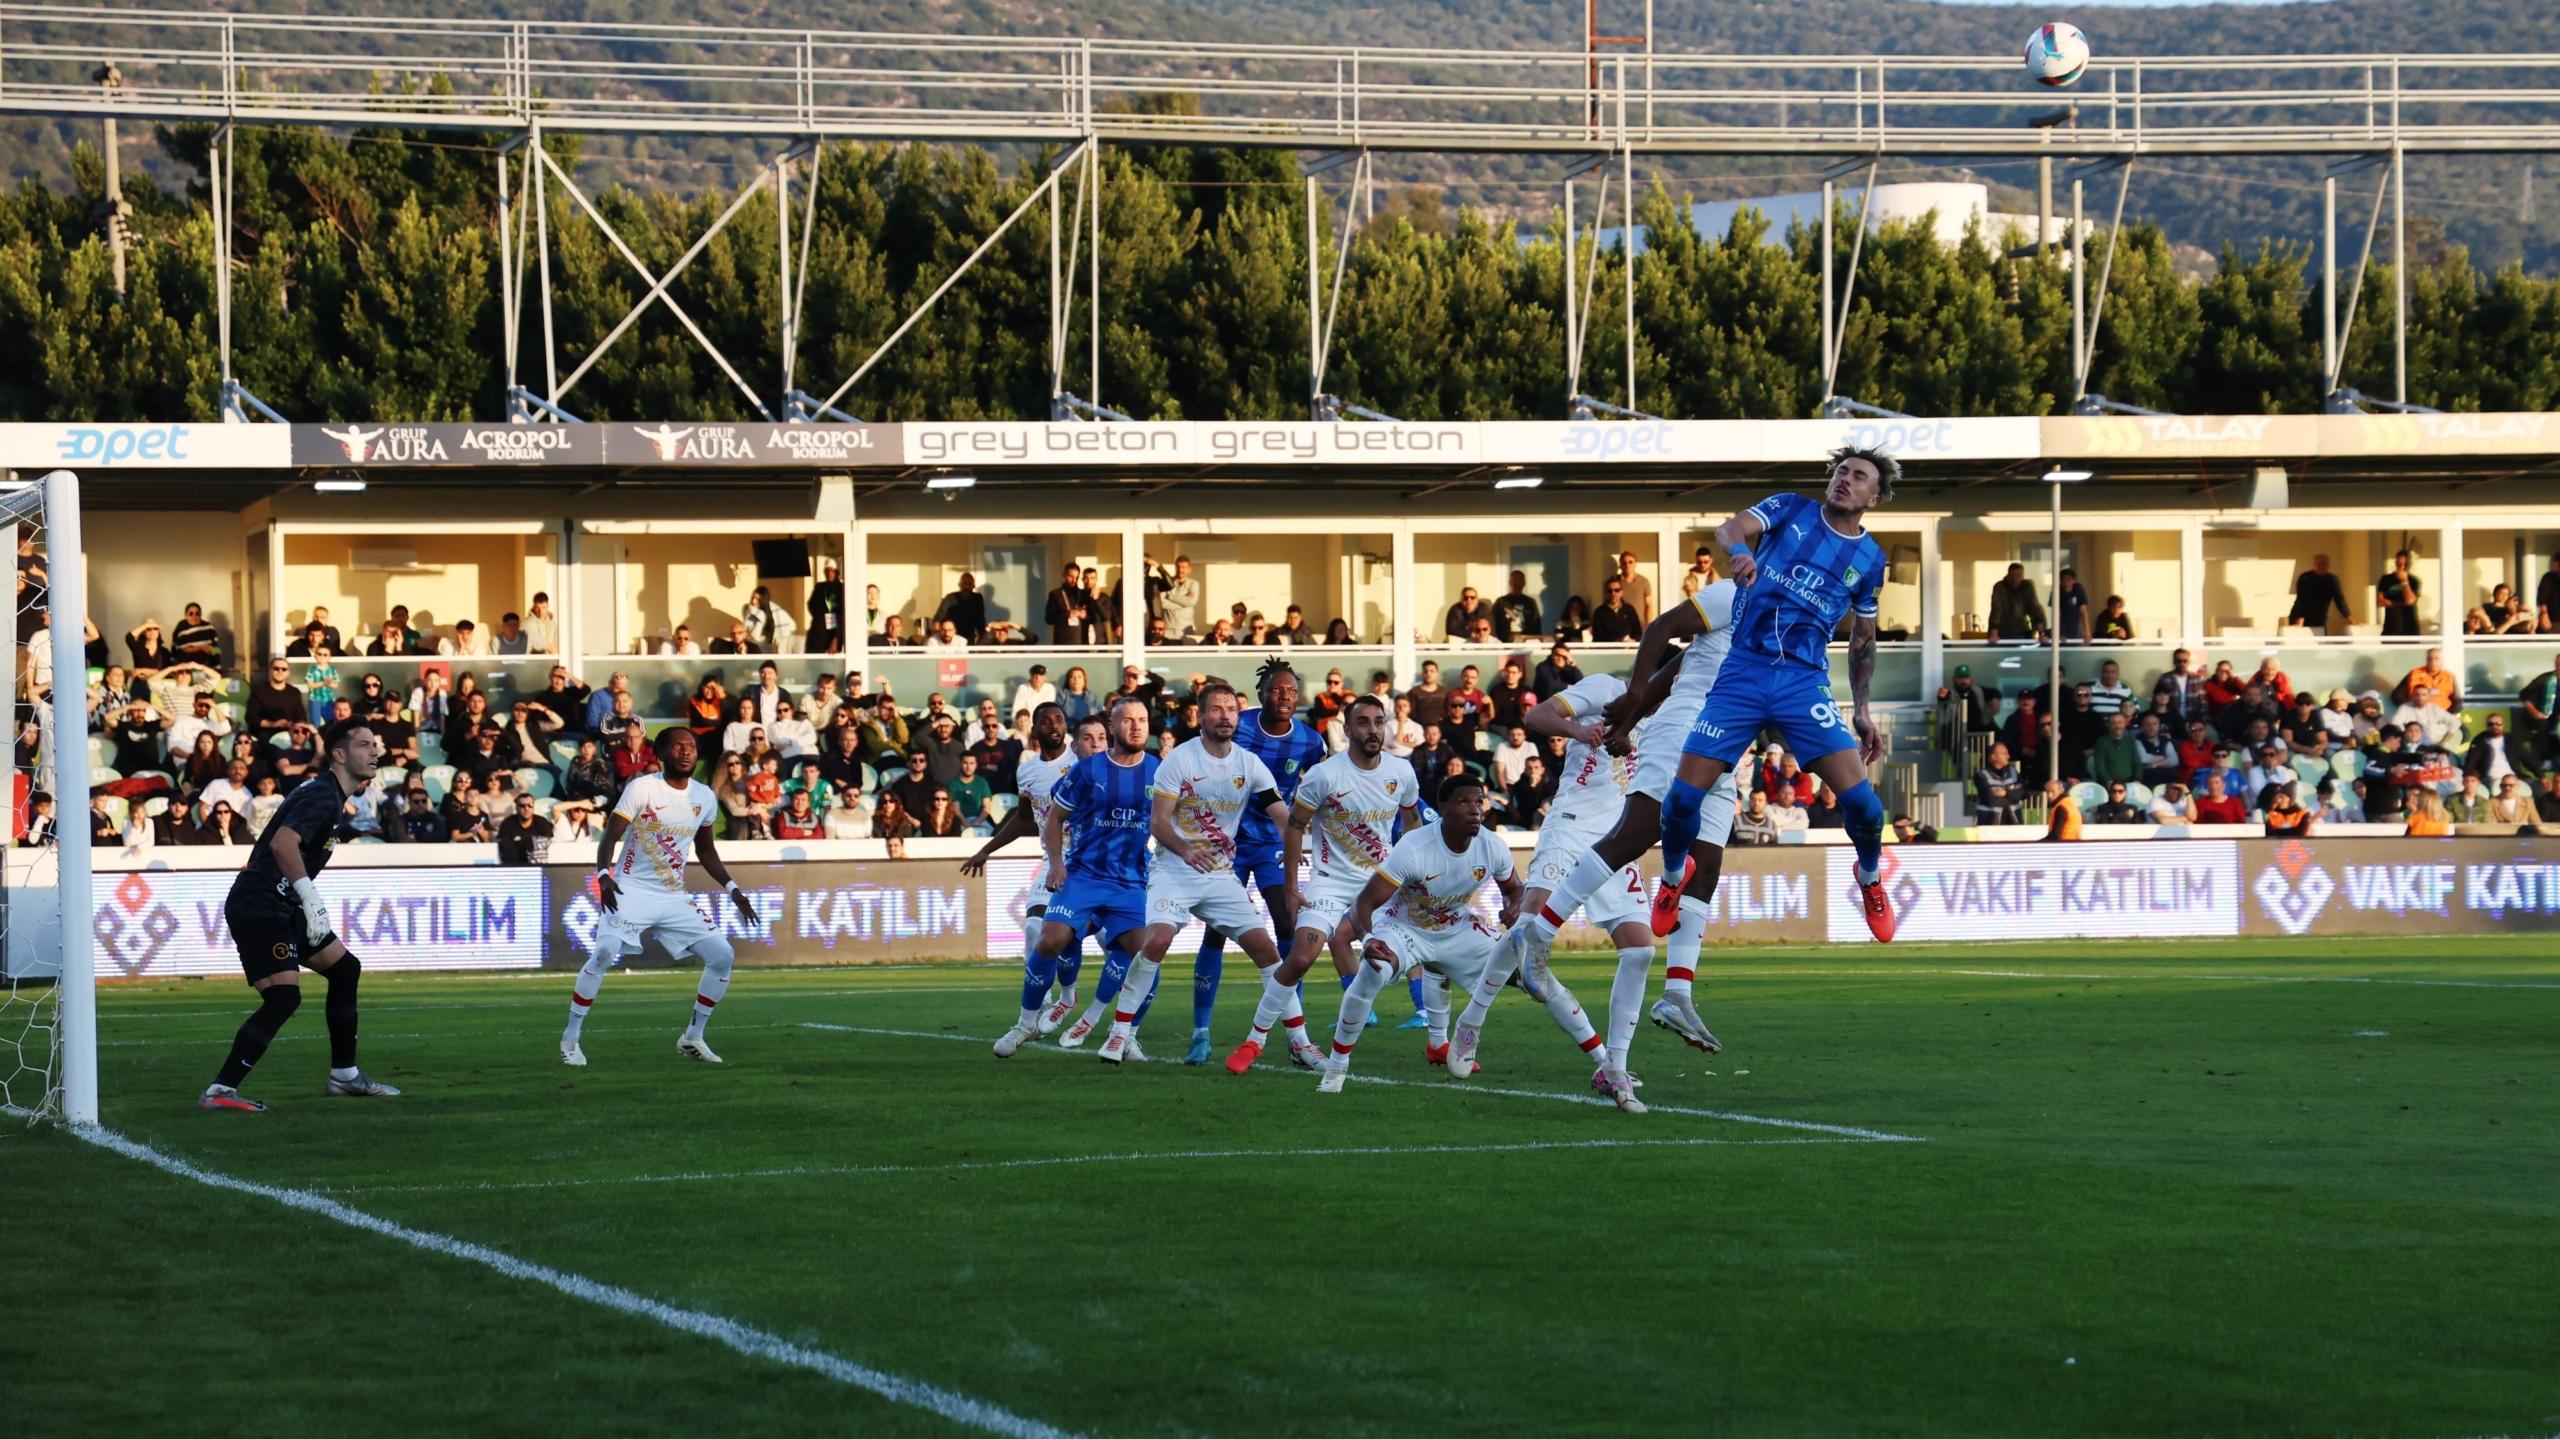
(782, 559)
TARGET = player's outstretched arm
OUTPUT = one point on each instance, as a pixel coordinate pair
(1555, 716)
(1015, 826)
(707, 849)
(1862, 670)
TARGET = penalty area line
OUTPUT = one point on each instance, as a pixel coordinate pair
(808, 1171)
(746, 1339)
(1844, 1131)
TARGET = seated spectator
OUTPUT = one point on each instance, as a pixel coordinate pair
(137, 737)
(1470, 709)
(800, 819)
(1790, 818)
(2488, 755)
(2171, 803)
(1430, 758)
(591, 776)
(764, 783)
(1511, 697)
(274, 704)
(1033, 692)
(2111, 695)
(2269, 774)
(790, 734)
(416, 821)
(2503, 613)
(2302, 720)
(2337, 803)
(1557, 672)
(680, 642)
(941, 747)
(574, 829)
(1480, 630)
(2427, 816)
(1998, 791)
(2223, 687)
(149, 648)
(566, 699)
(1573, 625)
(204, 720)
(264, 801)
(999, 755)
(1511, 757)
(614, 700)
(1337, 631)
(851, 817)
(524, 837)
(230, 787)
(2113, 624)
(1157, 636)
(1515, 614)
(893, 633)
(746, 819)
(914, 787)
(2284, 815)
(736, 641)
(2157, 754)
(1430, 698)
(809, 773)
(2471, 805)
(947, 639)
(1823, 812)
(984, 722)
(2513, 803)
(466, 641)
(223, 826)
(632, 757)
(769, 625)
(843, 762)
(2272, 678)
(1530, 794)
(941, 817)
(2546, 799)
(1404, 733)
(1459, 623)
(2337, 717)
(2369, 720)
(393, 641)
(1786, 782)
(2435, 679)
(884, 733)
(1906, 831)
(2433, 721)
(2117, 809)
(893, 822)
(971, 793)
(2255, 706)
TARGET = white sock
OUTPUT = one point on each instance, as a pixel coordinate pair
(1566, 1011)
(1274, 1004)
(1435, 1006)
(582, 996)
(1133, 994)
(707, 994)
(1626, 999)
(1487, 988)
(1030, 1020)
(1589, 873)
(1680, 960)
(1356, 1004)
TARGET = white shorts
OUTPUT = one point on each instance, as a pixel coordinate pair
(1329, 903)
(1178, 894)
(639, 914)
(1621, 900)
(1658, 745)
(1459, 954)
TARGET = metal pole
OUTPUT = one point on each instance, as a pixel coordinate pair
(2053, 627)
(1057, 321)
(2399, 257)
(218, 178)
(79, 980)
(2044, 198)
(542, 253)
(782, 246)
(1572, 322)
(507, 277)
(1093, 268)
(2079, 281)
(1315, 332)
(2329, 280)
(1627, 242)
(1828, 186)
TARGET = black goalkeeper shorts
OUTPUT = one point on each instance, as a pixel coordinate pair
(270, 937)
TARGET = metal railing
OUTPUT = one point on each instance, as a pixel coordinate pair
(490, 75)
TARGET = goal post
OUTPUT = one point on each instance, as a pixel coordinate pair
(48, 983)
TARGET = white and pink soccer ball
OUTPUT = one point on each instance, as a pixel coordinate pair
(2057, 55)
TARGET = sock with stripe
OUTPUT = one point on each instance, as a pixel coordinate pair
(713, 986)
(1680, 959)
(1115, 974)
(582, 995)
(1131, 1005)
(1206, 970)
(1626, 998)
(1588, 874)
(1566, 1011)
(1487, 988)
(1357, 1000)
(1435, 1007)
(1281, 1006)
(1039, 973)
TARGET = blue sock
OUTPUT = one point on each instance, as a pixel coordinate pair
(1071, 964)
(1680, 823)
(1344, 979)
(1206, 971)
(1115, 972)
(1038, 973)
(1862, 814)
(1413, 988)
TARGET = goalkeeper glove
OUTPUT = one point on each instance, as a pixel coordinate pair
(315, 914)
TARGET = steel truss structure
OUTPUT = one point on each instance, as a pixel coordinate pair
(799, 89)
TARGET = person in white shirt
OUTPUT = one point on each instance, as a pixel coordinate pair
(2270, 769)
(541, 627)
(680, 641)
(769, 625)
(1418, 911)
(205, 719)
(2338, 717)
(823, 704)
(666, 818)
(790, 734)
(466, 639)
(1512, 756)
(984, 725)
(1352, 803)
(2439, 725)
(946, 640)
(1200, 794)
(2170, 804)
(1405, 733)
(1032, 693)
(231, 788)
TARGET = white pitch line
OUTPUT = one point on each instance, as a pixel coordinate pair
(1846, 1131)
(800, 1171)
(2248, 979)
(123, 1014)
(720, 1329)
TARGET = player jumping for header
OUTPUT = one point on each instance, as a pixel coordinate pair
(668, 818)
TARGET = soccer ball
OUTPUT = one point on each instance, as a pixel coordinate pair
(2057, 55)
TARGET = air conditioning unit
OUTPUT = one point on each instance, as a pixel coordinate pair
(389, 559)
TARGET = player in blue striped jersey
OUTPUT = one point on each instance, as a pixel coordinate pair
(1288, 747)
(1099, 881)
(1803, 565)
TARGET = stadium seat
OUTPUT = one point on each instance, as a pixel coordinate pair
(104, 774)
(2138, 795)
(543, 807)
(438, 778)
(430, 749)
(562, 752)
(390, 777)
(99, 752)
(155, 806)
(535, 782)
(281, 739)
(2091, 794)
(120, 811)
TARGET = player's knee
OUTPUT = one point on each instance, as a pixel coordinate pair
(276, 1004)
(1860, 806)
(345, 972)
(717, 956)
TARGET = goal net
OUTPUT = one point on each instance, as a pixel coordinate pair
(48, 1015)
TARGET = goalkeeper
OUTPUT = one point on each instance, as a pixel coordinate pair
(277, 918)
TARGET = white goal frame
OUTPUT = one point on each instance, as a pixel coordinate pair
(61, 920)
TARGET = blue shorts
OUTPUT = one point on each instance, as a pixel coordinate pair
(1108, 908)
(1748, 696)
(1259, 866)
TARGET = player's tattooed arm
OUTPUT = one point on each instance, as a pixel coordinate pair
(1377, 891)
(707, 849)
(1293, 845)
(615, 827)
(1862, 669)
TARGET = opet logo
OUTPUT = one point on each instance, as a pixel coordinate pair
(108, 446)
(1595, 440)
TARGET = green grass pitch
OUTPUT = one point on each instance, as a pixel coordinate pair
(2150, 1188)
